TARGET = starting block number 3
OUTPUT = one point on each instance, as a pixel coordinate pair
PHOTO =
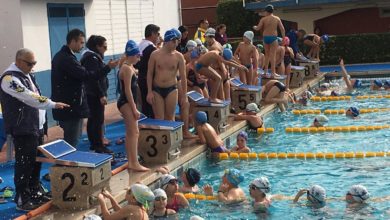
(152, 141)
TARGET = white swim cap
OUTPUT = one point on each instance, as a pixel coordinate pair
(322, 118)
(318, 193)
(359, 193)
(160, 193)
(198, 42)
(263, 184)
(249, 35)
(196, 217)
(210, 32)
(92, 217)
(190, 44)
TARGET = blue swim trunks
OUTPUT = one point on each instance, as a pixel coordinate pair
(220, 149)
(198, 66)
(269, 39)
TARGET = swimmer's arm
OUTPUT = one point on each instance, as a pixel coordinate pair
(281, 28)
(237, 52)
(182, 74)
(202, 138)
(233, 64)
(240, 117)
(149, 76)
(259, 26)
(345, 74)
(183, 201)
(127, 74)
(120, 214)
(299, 194)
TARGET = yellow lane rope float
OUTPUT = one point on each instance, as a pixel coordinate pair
(373, 97)
(199, 196)
(337, 111)
(265, 130)
(302, 155)
(330, 98)
(335, 129)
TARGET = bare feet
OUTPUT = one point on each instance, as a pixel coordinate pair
(218, 101)
(275, 75)
(137, 168)
(189, 135)
(106, 142)
(163, 170)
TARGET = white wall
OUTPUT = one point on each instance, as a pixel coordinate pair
(166, 14)
(36, 28)
(11, 35)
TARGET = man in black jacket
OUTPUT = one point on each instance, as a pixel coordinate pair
(24, 118)
(67, 85)
(92, 60)
(146, 46)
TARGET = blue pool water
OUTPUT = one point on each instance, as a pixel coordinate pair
(287, 176)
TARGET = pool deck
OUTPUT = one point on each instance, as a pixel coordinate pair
(189, 150)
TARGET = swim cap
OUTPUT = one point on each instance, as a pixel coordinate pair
(322, 118)
(387, 83)
(201, 117)
(193, 176)
(325, 38)
(359, 193)
(170, 35)
(194, 54)
(196, 217)
(203, 50)
(227, 54)
(210, 32)
(318, 193)
(164, 180)
(190, 44)
(269, 8)
(132, 48)
(308, 94)
(177, 32)
(355, 111)
(142, 194)
(249, 35)
(357, 84)
(263, 184)
(260, 46)
(334, 93)
(198, 42)
(378, 83)
(286, 41)
(243, 134)
(92, 217)
(234, 176)
(160, 193)
(252, 107)
(227, 45)
(325, 85)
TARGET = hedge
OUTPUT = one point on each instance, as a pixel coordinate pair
(357, 48)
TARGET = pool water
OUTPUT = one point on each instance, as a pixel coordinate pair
(287, 176)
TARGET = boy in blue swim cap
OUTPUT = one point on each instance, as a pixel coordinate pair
(208, 135)
(377, 85)
(352, 112)
(229, 191)
(351, 83)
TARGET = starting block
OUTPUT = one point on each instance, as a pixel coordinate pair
(243, 94)
(78, 177)
(296, 76)
(159, 140)
(265, 80)
(217, 113)
(312, 67)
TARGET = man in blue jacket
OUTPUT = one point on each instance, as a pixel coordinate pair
(67, 85)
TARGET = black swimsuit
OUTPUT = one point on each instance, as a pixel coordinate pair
(164, 92)
(280, 86)
(192, 78)
(122, 96)
(287, 58)
(165, 216)
(309, 37)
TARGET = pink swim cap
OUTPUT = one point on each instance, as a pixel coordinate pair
(286, 41)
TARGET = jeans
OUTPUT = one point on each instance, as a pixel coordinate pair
(72, 130)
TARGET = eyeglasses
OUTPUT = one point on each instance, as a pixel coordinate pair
(160, 198)
(30, 64)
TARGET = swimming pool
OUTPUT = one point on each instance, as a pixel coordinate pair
(287, 176)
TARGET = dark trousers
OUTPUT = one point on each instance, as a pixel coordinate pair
(95, 122)
(72, 130)
(27, 170)
(146, 107)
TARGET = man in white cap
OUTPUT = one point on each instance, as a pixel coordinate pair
(357, 194)
(250, 115)
(246, 54)
(258, 190)
(316, 196)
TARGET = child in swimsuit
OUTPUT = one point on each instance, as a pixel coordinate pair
(287, 59)
(208, 135)
(246, 54)
(250, 115)
(241, 147)
(159, 206)
(190, 177)
(314, 42)
(316, 196)
(258, 190)
(275, 92)
(269, 25)
(175, 199)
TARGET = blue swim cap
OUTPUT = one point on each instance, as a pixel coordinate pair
(378, 83)
(227, 54)
(243, 134)
(334, 93)
(170, 35)
(357, 84)
(355, 111)
(177, 32)
(132, 48)
(194, 53)
(234, 176)
(201, 117)
(325, 38)
(387, 83)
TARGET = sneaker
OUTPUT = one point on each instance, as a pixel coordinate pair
(103, 150)
(27, 206)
